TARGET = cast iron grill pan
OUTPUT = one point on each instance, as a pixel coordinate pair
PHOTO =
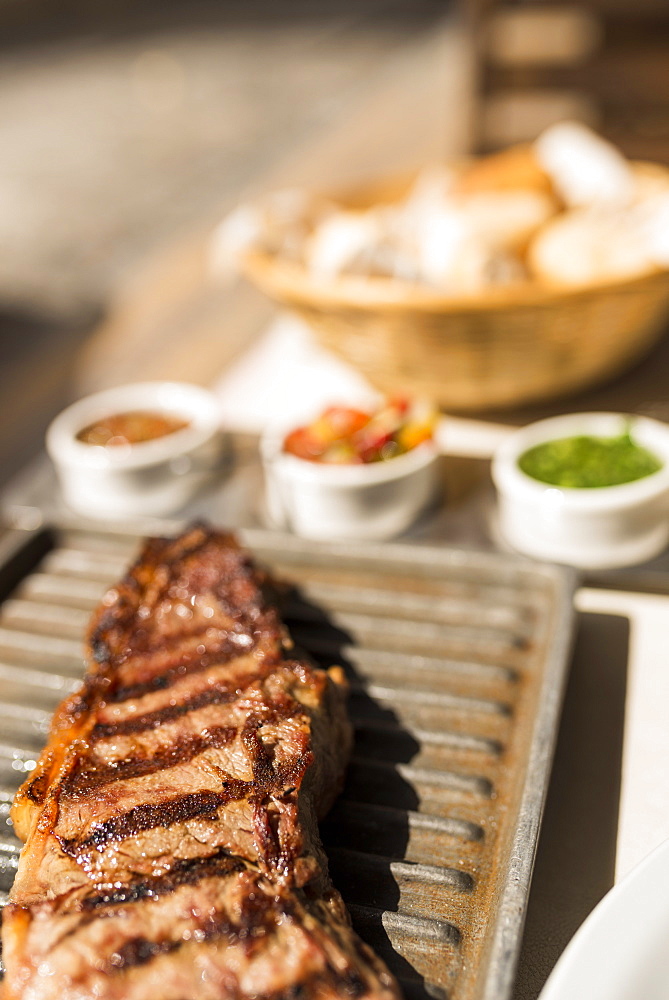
(457, 663)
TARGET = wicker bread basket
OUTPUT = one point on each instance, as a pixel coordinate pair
(506, 348)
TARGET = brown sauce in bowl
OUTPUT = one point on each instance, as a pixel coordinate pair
(133, 427)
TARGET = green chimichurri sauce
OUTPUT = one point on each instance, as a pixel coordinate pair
(589, 462)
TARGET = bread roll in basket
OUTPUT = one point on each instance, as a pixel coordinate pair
(502, 347)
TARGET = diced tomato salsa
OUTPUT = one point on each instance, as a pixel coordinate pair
(344, 435)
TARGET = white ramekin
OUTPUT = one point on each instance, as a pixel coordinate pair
(337, 502)
(598, 528)
(153, 478)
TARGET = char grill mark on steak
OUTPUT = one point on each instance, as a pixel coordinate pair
(109, 902)
(181, 664)
(254, 921)
(219, 694)
(213, 696)
(152, 815)
(170, 825)
(216, 642)
(83, 781)
(188, 872)
(268, 783)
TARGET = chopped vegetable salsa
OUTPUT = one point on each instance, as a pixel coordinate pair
(133, 427)
(342, 435)
(589, 462)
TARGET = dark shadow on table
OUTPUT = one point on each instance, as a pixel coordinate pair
(577, 848)
(361, 843)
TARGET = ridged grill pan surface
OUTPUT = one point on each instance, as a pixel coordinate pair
(457, 663)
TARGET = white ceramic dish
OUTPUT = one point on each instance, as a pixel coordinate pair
(597, 528)
(153, 478)
(620, 952)
(331, 502)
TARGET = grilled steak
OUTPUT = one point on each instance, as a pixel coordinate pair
(171, 841)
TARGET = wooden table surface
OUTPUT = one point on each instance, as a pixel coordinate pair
(171, 318)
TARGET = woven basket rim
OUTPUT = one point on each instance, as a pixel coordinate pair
(292, 281)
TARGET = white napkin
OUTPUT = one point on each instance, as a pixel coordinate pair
(286, 377)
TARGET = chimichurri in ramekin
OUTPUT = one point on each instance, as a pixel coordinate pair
(588, 462)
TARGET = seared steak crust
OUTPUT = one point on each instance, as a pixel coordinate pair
(170, 825)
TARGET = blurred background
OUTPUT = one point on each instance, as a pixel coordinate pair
(128, 128)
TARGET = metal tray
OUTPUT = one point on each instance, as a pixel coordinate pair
(457, 662)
